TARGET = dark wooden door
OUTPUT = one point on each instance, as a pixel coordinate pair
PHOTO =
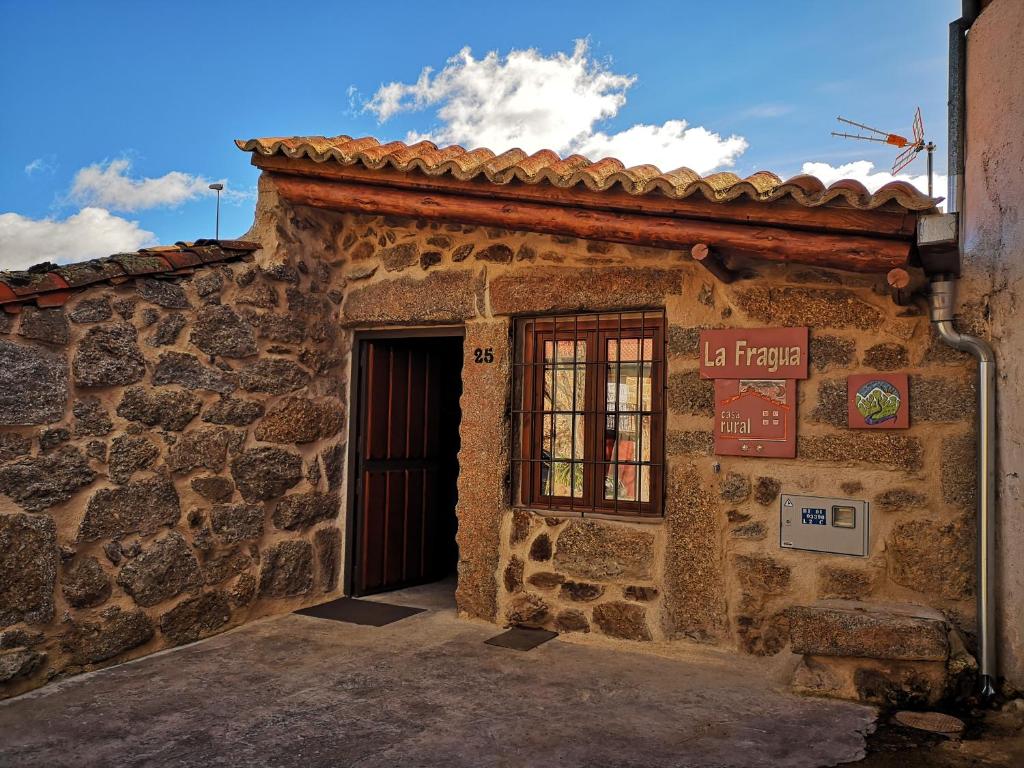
(406, 462)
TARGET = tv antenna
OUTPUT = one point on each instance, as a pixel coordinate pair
(911, 147)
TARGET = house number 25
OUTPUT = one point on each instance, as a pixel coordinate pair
(483, 355)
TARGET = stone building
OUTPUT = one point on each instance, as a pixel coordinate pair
(362, 393)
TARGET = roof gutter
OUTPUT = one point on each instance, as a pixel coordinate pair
(942, 304)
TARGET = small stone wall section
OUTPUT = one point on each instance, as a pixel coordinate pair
(168, 463)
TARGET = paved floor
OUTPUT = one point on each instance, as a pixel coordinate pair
(424, 691)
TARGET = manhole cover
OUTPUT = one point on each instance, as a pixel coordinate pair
(934, 722)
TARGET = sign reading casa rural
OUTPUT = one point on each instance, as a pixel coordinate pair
(755, 372)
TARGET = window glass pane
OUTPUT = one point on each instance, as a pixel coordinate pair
(559, 442)
(565, 382)
(628, 380)
(562, 478)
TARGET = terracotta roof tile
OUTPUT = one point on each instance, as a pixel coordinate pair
(49, 285)
(604, 174)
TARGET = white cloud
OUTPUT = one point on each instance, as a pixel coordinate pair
(864, 172)
(41, 165)
(532, 101)
(91, 233)
(110, 185)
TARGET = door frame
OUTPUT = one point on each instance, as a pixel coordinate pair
(357, 416)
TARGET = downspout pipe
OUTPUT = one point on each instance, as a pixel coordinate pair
(942, 304)
(943, 295)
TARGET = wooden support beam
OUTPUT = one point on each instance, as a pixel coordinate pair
(838, 251)
(712, 263)
(836, 217)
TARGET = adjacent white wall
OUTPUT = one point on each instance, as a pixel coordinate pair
(994, 276)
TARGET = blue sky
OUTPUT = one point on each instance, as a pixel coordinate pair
(98, 97)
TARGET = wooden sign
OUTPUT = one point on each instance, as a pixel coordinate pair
(878, 401)
(753, 353)
(755, 417)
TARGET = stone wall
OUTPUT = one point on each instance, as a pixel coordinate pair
(265, 373)
(168, 463)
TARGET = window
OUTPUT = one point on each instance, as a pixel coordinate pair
(589, 417)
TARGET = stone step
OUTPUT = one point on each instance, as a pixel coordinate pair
(851, 629)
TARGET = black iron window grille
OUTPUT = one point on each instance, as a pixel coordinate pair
(588, 417)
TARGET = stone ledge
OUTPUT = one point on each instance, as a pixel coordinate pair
(846, 628)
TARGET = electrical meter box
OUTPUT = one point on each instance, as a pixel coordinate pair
(824, 524)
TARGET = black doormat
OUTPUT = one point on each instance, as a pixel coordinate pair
(521, 638)
(365, 612)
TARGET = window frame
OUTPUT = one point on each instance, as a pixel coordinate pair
(596, 330)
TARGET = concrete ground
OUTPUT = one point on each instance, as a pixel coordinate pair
(424, 691)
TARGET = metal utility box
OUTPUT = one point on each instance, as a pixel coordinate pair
(824, 524)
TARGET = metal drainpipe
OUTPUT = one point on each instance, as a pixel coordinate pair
(942, 304)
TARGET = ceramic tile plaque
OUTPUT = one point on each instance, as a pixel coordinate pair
(755, 417)
(878, 401)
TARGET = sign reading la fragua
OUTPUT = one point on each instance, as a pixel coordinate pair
(755, 372)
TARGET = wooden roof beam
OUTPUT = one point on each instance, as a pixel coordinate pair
(834, 250)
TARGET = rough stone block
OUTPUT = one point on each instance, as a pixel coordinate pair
(206, 447)
(91, 418)
(942, 399)
(887, 356)
(959, 471)
(572, 621)
(165, 570)
(28, 568)
(694, 582)
(33, 384)
(327, 544)
(815, 307)
(440, 297)
(90, 642)
(897, 499)
(91, 311)
(526, 609)
(109, 356)
(851, 629)
(593, 550)
(171, 410)
(273, 376)
(19, 663)
(213, 488)
(545, 289)
(185, 370)
(262, 474)
(195, 618)
(128, 454)
(871, 447)
(237, 522)
(217, 330)
(696, 442)
(832, 403)
(85, 584)
(233, 411)
(301, 420)
(141, 506)
(933, 557)
(48, 325)
(689, 393)
(513, 576)
(287, 569)
(838, 582)
(762, 574)
(299, 511)
(826, 351)
(623, 620)
(167, 330)
(41, 482)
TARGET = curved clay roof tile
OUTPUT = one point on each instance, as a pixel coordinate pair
(546, 167)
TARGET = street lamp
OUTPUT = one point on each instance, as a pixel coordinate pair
(218, 187)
